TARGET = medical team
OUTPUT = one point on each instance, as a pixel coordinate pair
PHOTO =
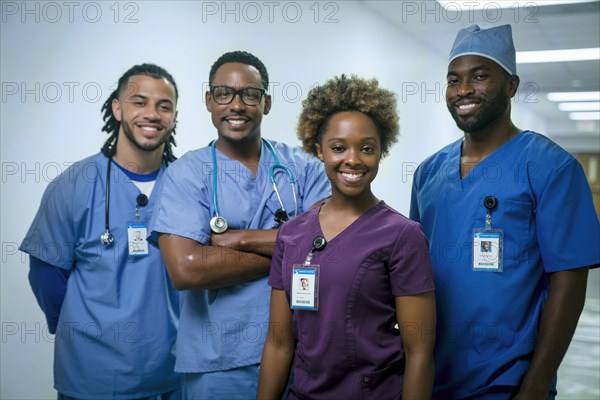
(191, 320)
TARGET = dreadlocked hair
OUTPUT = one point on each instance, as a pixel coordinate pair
(112, 126)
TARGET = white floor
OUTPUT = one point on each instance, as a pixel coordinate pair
(579, 373)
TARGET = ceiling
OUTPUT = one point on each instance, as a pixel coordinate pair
(534, 28)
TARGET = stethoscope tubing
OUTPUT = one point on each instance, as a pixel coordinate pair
(107, 238)
(277, 164)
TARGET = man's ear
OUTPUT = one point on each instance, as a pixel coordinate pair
(513, 85)
(116, 109)
(268, 101)
(207, 100)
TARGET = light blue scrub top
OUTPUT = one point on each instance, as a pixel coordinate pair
(226, 328)
(487, 321)
(117, 326)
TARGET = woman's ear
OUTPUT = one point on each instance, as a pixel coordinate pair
(319, 152)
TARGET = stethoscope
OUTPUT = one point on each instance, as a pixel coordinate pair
(218, 223)
(107, 238)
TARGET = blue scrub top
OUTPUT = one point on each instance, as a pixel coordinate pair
(117, 326)
(487, 321)
(225, 328)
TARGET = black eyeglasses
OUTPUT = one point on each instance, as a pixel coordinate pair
(224, 95)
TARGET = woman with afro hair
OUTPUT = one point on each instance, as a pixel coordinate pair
(366, 327)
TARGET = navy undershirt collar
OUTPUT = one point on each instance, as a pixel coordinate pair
(139, 177)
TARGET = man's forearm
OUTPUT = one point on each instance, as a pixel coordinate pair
(194, 266)
(258, 241)
(557, 325)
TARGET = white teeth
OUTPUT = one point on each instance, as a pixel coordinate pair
(466, 106)
(351, 176)
(235, 121)
(149, 128)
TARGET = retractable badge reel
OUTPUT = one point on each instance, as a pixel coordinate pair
(305, 280)
(488, 243)
(138, 231)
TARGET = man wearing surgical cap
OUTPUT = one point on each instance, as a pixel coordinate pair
(505, 316)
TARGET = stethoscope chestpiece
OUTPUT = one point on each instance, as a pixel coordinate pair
(281, 216)
(107, 238)
(218, 224)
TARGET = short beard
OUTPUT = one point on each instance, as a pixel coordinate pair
(150, 147)
(489, 113)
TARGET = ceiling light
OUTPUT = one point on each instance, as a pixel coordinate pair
(584, 116)
(587, 106)
(525, 57)
(573, 96)
(480, 5)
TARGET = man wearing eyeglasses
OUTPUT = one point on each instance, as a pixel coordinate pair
(223, 276)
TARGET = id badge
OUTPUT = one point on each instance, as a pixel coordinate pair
(488, 249)
(136, 238)
(305, 287)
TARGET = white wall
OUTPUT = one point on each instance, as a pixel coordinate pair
(60, 61)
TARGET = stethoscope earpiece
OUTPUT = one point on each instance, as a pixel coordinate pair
(218, 224)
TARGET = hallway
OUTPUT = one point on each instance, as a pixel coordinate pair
(579, 374)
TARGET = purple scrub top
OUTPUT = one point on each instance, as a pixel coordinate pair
(350, 347)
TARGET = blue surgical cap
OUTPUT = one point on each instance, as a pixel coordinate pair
(494, 43)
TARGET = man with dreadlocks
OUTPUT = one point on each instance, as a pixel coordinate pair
(105, 296)
(223, 276)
